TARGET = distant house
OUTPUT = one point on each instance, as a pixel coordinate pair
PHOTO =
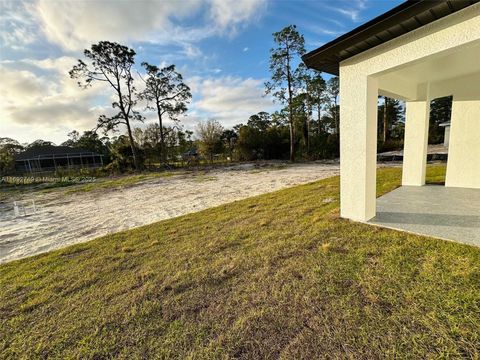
(189, 155)
(51, 158)
(446, 138)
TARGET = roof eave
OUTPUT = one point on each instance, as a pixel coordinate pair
(327, 58)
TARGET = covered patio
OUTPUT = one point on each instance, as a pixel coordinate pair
(416, 52)
(433, 210)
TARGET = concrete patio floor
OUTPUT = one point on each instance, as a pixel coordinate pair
(433, 210)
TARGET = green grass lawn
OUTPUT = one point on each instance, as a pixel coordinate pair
(275, 276)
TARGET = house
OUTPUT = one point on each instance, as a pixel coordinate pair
(418, 51)
(446, 137)
(51, 158)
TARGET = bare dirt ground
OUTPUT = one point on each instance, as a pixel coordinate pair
(63, 220)
(431, 149)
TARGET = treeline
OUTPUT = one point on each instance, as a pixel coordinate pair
(264, 136)
(306, 126)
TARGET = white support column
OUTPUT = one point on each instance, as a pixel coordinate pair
(416, 142)
(358, 144)
(463, 167)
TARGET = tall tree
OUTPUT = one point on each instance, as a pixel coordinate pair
(303, 113)
(8, 149)
(261, 121)
(90, 140)
(167, 94)
(440, 111)
(112, 63)
(391, 113)
(286, 81)
(303, 106)
(316, 86)
(152, 134)
(332, 91)
(229, 140)
(185, 142)
(139, 137)
(39, 143)
(386, 126)
(210, 135)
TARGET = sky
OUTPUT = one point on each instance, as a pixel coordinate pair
(221, 47)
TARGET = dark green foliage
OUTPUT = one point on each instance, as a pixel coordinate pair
(324, 146)
(8, 148)
(390, 125)
(332, 107)
(262, 138)
(167, 95)
(440, 112)
(210, 138)
(122, 156)
(91, 141)
(317, 99)
(229, 139)
(39, 143)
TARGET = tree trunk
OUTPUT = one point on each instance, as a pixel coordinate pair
(290, 118)
(292, 138)
(319, 125)
(126, 116)
(162, 138)
(133, 147)
(337, 123)
(290, 109)
(308, 136)
(385, 120)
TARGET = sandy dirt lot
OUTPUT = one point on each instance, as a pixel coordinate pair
(62, 220)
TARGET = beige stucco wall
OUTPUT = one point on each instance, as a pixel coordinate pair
(358, 147)
(364, 76)
(463, 168)
(416, 142)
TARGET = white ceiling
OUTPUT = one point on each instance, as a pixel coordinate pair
(440, 68)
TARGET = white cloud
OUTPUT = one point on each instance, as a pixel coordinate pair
(21, 85)
(245, 49)
(353, 14)
(321, 30)
(60, 64)
(45, 104)
(230, 100)
(232, 14)
(16, 29)
(76, 25)
(191, 51)
(353, 9)
(57, 111)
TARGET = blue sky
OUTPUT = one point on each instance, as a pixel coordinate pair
(220, 46)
